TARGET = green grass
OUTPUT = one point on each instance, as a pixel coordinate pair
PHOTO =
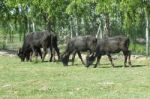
(29, 80)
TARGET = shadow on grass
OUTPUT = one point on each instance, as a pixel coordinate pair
(45, 61)
(117, 66)
(106, 65)
(75, 64)
(138, 65)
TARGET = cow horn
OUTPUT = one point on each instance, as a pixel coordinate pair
(91, 55)
(18, 51)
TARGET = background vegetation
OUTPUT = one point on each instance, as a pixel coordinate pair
(69, 18)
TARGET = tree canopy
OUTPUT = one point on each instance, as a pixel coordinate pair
(101, 18)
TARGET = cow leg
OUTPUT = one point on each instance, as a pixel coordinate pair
(97, 61)
(40, 53)
(73, 57)
(110, 59)
(44, 54)
(125, 57)
(79, 54)
(27, 58)
(129, 58)
(57, 51)
(34, 51)
(36, 55)
(30, 56)
(54, 55)
(51, 49)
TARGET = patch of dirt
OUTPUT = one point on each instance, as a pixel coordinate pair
(10, 53)
(133, 57)
(13, 53)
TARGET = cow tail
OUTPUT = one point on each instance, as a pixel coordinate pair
(55, 41)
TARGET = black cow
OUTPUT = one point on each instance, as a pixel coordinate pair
(76, 45)
(108, 46)
(26, 55)
(36, 40)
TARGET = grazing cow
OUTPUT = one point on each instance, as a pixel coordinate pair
(28, 53)
(76, 45)
(36, 40)
(107, 47)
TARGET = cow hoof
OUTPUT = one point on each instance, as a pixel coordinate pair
(113, 65)
(87, 66)
(124, 66)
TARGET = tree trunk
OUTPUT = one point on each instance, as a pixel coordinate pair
(146, 31)
(49, 26)
(76, 21)
(107, 26)
(71, 35)
(33, 27)
(4, 41)
(83, 26)
(99, 31)
(27, 26)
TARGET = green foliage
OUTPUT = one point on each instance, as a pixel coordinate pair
(137, 48)
(72, 17)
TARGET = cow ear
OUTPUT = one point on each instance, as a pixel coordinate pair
(18, 51)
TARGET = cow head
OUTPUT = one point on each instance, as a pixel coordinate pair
(21, 54)
(89, 60)
(65, 59)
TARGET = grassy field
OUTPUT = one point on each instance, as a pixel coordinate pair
(29, 80)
